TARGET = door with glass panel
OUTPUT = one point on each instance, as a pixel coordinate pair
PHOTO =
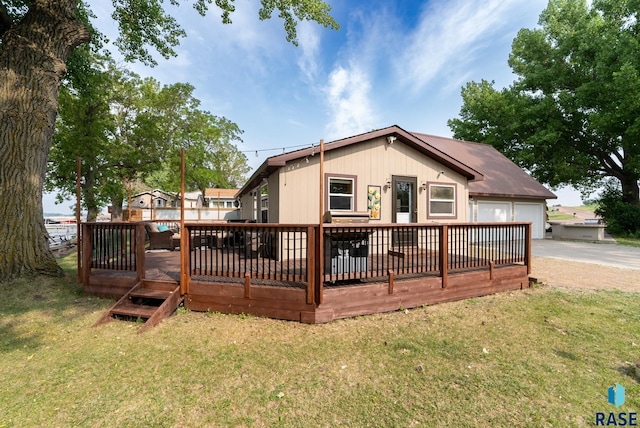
(405, 209)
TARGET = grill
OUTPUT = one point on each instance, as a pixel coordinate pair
(346, 250)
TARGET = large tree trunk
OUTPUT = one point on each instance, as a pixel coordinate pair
(32, 62)
(630, 189)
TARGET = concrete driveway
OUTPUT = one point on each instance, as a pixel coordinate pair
(620, 256)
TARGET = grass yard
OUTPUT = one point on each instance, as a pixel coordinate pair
(539, 357)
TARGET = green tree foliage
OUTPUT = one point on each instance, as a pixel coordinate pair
(573, 115)
(125, 128)
(36, 39)
(621, 219)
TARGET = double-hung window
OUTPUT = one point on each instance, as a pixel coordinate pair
(341, 194)
(442, 200)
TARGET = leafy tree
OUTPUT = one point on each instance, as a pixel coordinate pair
(36, 40)
(124, 128)
(573, 115)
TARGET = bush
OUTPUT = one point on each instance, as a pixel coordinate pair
(621, 218)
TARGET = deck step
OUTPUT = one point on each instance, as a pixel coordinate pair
(131, 305)
(129, 310)
(149, 293)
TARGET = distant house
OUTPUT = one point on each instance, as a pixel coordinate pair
(156, 198)
(216, 204)
(395, 176)
(220, 198)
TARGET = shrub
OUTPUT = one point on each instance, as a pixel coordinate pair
(621, 218)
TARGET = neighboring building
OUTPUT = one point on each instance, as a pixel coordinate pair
(216, 205)
(220, 198)
(396, 177)
(159, 199)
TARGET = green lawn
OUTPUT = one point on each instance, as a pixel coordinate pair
(539, 357)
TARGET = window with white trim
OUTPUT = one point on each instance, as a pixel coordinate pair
(341, 194)
(442, 200)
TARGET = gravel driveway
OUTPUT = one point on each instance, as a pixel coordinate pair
(585, 265)
(564, 273)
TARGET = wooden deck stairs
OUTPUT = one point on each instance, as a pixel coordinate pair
(149, 300)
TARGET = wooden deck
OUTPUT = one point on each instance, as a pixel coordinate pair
(238, 278)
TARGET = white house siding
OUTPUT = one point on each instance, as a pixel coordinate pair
(373, 163)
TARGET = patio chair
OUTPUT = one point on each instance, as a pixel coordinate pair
(161, 239)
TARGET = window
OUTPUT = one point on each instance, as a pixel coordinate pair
(442, 200)
(341, 194)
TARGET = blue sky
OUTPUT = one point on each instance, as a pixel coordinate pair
(391, 62)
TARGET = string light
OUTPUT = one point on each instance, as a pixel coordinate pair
(284, 149)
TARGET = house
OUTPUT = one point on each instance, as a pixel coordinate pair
(220, 198)
(430, 220)
(156, 198)
(215, 205)
(395, 176)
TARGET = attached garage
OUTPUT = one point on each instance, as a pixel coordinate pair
(505, 211)
(505, 192)
(492, 212)
(533, 212)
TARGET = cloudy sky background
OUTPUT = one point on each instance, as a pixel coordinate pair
(391, 63)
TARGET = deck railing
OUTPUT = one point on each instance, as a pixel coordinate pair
(112, 246)
(271, 252)
(291, 255)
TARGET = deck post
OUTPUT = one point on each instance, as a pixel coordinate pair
(86, 254)
(444, 254)
(140, 254)
(184, 234)
(527, 255)
(391, 280)
(320, 245)
(311, 265)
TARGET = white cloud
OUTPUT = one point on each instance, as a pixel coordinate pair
(349, 100)
(309, 45)
(447, 37)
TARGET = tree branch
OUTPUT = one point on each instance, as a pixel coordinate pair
(5, 19)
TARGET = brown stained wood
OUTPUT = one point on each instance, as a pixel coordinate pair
(247, 286)
(249, 304)
(311, 266)
(131, 310)
(86, 254)
(492, 266)
(391, 280)
(444, 255)
(164, 311)
(140, 251)
(528, 252)
(106, 317)
(147, 293)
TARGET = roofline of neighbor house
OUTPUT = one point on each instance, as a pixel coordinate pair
(273, 163)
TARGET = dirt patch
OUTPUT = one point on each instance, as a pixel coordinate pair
(563, 273)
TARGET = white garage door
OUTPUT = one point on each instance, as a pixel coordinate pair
(494, 212)
(533, 212)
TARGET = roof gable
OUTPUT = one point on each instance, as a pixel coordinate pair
(275, 162)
